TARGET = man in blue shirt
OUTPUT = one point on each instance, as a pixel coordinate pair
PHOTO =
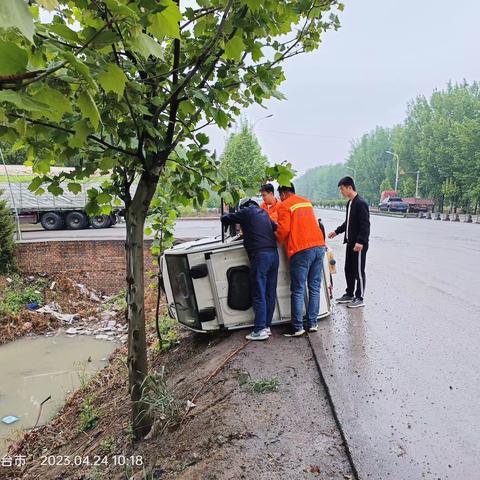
(261, 246)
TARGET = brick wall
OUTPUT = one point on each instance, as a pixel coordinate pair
(98, 264)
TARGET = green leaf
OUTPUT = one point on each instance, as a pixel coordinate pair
(165, 23)
(58, 101)
(41, 165)
(253, 5)
(75, 188)
(257, 53)
(48, 4)
(187, 108)
(81, 69)
(113, 79)
(221, 118)
(55, 189)
(102, 39)
(88, 108)
(202, 139)
(64, 32)
(15, 14)
(107, 163)
(103, 198)
(82, 130)
(21, 126)
(14, 59)
(22, 101)
(145, 45)
(234, 48)
(35, 184)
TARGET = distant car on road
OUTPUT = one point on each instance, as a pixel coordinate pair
(393, 204)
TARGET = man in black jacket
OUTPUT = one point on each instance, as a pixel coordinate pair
(357, 232)
(261, 245)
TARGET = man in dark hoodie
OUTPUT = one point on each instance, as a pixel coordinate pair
(261, 246)
(357, 233)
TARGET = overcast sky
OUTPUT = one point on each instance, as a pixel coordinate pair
(386, 53)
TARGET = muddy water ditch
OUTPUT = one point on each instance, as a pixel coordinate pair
(33, 369)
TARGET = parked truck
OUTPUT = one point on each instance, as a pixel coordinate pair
(66, 211)
(390, 200)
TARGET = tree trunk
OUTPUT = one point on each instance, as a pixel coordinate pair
(136, 213)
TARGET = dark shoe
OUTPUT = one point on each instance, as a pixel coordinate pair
(294, 333)
(344, 299)
(313, 329)
(357, 303)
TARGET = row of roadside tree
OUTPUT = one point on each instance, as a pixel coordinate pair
(439, 139)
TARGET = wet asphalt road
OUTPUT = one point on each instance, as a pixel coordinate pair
(404, 372)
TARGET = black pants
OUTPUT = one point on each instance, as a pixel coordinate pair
(355, 270)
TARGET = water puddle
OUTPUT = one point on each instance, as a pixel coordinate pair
(32, 369)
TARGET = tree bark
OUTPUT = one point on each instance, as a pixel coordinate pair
(136, 213)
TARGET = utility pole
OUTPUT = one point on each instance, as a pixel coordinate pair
(416, 186)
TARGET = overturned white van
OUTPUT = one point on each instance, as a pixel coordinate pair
(207, 284)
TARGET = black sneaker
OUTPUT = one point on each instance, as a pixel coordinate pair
(291, 332)
(344, 298)
(357, 303)
(313, 329)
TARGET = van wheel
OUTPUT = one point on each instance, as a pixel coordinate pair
(76, 220)
(52, 221)
(101, 221)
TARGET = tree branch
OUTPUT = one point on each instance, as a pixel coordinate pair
(198, 63)
(51, 70)
(72, 132)
(206, 12)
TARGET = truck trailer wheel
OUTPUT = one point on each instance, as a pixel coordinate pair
(76, 220)
(101, 221)
(52, 221)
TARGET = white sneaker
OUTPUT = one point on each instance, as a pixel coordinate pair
(313, 329)
(269, 332)
(261, 335)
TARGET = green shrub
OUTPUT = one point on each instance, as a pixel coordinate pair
(169, 334)
(7, 243)
(19, 293)
(89, 416)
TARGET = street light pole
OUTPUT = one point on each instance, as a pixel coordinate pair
(398, 161)
(260, 119)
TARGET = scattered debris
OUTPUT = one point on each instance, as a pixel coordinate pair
(9, 419)
(91, 295)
